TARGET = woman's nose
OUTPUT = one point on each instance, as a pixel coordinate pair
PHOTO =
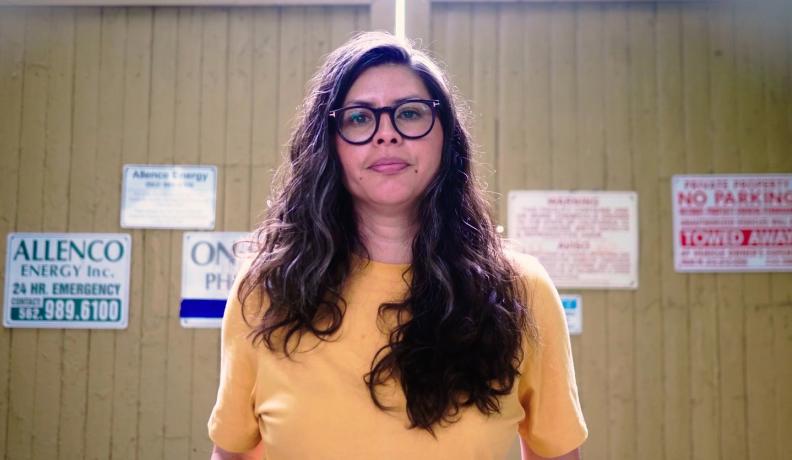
(386, 133)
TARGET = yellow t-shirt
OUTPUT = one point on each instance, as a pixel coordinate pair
(317, 406)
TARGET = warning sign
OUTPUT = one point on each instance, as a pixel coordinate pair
(584, 239)
(732, 223)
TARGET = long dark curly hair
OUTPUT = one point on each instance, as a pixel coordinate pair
(460, 343)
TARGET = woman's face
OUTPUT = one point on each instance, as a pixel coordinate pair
(389, 172)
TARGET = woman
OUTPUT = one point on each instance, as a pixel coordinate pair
(380, 317)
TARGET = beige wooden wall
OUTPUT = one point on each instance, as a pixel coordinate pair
(620, 96)
(589, 95)
(82, 92)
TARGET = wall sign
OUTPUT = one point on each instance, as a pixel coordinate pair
(208, 271)
(732, 223)
(67, 280)
(573, 309)
(168, 196)
(584, 239)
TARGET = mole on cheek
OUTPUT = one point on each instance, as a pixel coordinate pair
(416, 171)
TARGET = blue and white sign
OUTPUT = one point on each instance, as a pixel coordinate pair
(574, 313)
(169, 196)
(67, 280)
(209, 267)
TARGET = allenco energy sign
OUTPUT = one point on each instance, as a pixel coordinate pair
(67, 280)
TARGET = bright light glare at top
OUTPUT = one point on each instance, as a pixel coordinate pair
(399, 26)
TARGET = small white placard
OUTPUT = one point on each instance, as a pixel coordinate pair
(573, 309)
(584, 239)
(732, 223)
(209, 267)
(67, 280)
(169, 196)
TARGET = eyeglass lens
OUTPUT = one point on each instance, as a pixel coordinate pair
(412, 119)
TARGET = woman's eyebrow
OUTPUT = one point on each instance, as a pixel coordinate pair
(370, 104)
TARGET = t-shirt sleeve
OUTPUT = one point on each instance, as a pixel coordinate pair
(553, 423)
(233, 425)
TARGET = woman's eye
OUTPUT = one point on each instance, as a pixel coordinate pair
(411, 111)
(358, 118)
(410, 114)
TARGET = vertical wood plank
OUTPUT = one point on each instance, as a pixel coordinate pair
(342, 24)
(382, 15)
(159, 308)
(591, 357)
(530, 76)
(781, 297)
(649, 426)
(563, 93)
(759, 352)
(178, 415)
(459, 50)
(437, 32)
(127, 386)
(214, 109)
(620, 304)
(12, 39)
(564, 80)
(564, 158)
(778, 100)
(760, 366)
(417, 18)
(82, 206)
(363, 18)
(730, 312)
(266, 154)
(240, 81)
(673, 285)
(485, 97)
(153, 406)
(55, 215)
(291, 76)
(704, 389)
(108, 153)
(511, 122)
(59, 120)
(24, 353)
(316, 40)
(591, 77)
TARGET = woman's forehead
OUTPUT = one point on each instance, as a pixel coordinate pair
(386, 84)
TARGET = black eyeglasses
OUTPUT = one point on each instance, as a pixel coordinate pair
(413, 119)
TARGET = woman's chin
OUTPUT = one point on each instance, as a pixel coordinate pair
(391, 202)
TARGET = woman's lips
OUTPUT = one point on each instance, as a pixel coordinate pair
(389, 166)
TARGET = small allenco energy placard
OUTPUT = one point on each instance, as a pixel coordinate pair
(67, 280)
(169, 196)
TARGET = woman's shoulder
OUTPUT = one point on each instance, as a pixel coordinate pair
(528, 267)
(540, 293)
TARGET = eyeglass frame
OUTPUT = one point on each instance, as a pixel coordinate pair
(391, 111)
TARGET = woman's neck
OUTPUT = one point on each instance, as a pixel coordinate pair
(388, 236)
